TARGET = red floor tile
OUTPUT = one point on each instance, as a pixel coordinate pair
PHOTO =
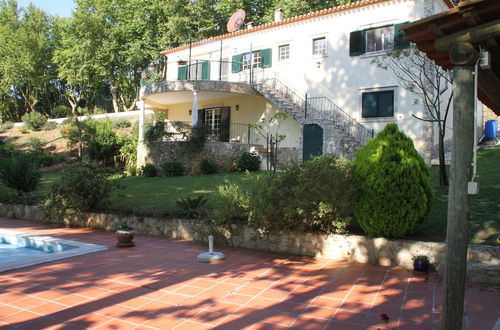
(159, 284)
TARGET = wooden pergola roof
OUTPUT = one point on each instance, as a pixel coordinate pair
(473, 21)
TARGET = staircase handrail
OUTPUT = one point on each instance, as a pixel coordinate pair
(328, 110)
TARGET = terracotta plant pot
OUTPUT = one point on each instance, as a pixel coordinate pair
(421, 265)
(125, 237)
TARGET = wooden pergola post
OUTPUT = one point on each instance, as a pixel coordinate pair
(464, 57)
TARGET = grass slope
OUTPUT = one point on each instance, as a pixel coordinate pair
(484, 207)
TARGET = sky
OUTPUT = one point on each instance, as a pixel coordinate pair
(61, 8)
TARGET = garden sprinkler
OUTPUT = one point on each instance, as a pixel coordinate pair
(211, 256)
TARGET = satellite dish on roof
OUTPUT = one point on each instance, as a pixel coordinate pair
(236, 20)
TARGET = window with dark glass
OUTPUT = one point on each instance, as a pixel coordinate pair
(378, 104)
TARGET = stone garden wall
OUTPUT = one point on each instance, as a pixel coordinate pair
(483, 266)
(223, 153)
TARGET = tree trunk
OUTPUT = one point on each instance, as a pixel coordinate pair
(114, 90)
(443, 175)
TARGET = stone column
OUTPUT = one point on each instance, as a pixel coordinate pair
(194, 109)
(464, 56)
(142, 120)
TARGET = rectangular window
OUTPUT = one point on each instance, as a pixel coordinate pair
(212, 123)
(284, 52)
(378, 104)
(379, 39)
(319, 46)
(255, 58)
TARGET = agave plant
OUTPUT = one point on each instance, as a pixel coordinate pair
(20, 173)
(191, 204)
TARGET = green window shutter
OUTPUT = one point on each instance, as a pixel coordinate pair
(205, 70)
(400, 40)
(266, 58)
(181, 72)
(356, 43)
(236, 63)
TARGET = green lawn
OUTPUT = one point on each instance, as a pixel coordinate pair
(485, 207)
(158, 195)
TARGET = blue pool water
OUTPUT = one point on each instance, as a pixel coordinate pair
(19, 249)
(9, 252)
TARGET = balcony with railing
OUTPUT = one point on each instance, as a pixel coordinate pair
(231, 132)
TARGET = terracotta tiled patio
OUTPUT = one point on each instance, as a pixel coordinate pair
(159, 284)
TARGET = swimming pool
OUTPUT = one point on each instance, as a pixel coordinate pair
(19, 249)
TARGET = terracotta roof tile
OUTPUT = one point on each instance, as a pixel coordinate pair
(294, 19)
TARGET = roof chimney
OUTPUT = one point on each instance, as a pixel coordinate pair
(278, 15)
(249, 25)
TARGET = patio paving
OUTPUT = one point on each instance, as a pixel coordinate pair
(158, 284)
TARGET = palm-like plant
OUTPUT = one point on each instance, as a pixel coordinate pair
(20, 173)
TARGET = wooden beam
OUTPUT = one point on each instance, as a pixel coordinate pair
(472, 35)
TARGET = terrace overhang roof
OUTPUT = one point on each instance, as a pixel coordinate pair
(164, 93)
(474, 21)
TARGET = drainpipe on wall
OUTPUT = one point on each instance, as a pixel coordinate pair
(194, 109)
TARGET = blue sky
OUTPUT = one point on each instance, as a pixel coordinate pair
(62, 8)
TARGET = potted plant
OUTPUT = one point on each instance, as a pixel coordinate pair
(124, 234)
(421, 263)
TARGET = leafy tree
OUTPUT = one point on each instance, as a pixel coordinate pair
(27, 42)
(393, 181)
(429, 83)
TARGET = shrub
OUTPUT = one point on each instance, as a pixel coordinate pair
(103, 144)
(149, 170)
(23, 130)
(128, 148)
(50, 125)
(232, 203)
(6, 125)
(20, 173)
(43, 159)
(132, 170)
(207, 166)
(8, 149)
(154, 132)
(35, 144)
(121, 123)
(248, 161)
(34, 120)
(395, 189)
(83, 188)
(171, 169)
(315, 196)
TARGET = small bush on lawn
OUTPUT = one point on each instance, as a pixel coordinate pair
(20, 173)
(171, 169)
(395, 189)
(35, 144)
(315, 196)
(8, 149)
(83, 188)
(34, 120)
(232, 203)
(207, 166)
(149, 170)
(248, 161)
(103, 144)
(6, 125)
(50, 125)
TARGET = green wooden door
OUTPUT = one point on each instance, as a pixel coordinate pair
(313, 141)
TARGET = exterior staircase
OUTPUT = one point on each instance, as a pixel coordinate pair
(343, 134)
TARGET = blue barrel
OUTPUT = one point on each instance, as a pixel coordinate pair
(491, 129)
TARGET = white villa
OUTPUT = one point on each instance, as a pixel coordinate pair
(316, 67)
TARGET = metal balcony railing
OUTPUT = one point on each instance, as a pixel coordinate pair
(238, 133)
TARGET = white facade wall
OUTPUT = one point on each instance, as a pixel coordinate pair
(338, 76)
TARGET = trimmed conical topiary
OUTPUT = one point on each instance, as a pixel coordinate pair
(395, 189)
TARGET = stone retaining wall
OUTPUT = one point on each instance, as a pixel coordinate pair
(483, 266)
